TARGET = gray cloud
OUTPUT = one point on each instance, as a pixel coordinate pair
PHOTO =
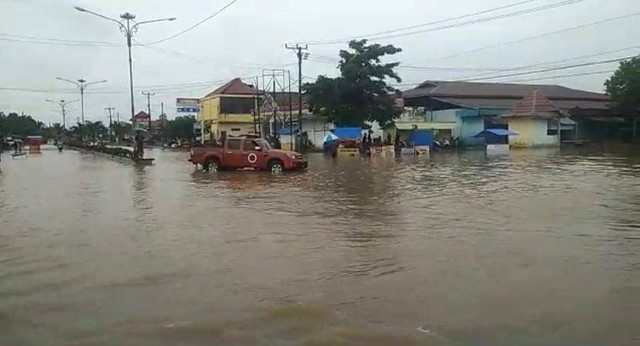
(251, 34)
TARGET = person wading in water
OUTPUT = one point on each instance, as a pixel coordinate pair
(139, 152)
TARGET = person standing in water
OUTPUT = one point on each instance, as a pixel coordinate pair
(139, 152)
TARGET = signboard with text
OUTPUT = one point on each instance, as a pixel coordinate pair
(187, 107)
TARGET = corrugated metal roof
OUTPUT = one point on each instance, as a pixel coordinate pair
(508, 103)
(504, 95)
(484, 90)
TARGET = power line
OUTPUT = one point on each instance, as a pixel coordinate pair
(536, 36)
(465, 23)
(195, 25)
(54, 43)
(562, 60)
(24, 37)
(346, 39)
(562, 76)
(549, 69)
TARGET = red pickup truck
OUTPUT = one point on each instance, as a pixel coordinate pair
(246, 152)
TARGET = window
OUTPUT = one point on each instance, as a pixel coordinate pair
(236, 105)
(234, 144)
(552, 127)
(250, 145)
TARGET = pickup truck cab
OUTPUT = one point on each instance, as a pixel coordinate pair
(246, 152)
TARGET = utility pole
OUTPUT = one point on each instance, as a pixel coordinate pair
(298, 49)
(109, 109)
(81, 84)
(273, 108)
(148, 95)
(128, 30)
(63, 106)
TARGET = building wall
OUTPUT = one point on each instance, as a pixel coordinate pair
(316, 130)
(210, 112)
(531, 133)
(469, 127)
(209, 109)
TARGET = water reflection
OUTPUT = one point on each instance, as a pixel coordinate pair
(537, 247)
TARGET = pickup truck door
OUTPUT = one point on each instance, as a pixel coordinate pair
(232, 155)
(254, 155)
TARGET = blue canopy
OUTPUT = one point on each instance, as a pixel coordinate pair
(286, 131)
(348, 132)
(495, 132)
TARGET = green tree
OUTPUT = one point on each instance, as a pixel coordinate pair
(13, 124)
(624, 86)
(120, 130)
(96, 130)
(361, 92)
(179, 128)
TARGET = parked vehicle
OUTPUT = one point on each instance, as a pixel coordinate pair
(246, 152)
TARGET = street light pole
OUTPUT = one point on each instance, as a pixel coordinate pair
(81, 84)
(128, 30)
(63, 106)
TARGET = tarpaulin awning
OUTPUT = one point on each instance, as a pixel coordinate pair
(496, 132)
(348, 132)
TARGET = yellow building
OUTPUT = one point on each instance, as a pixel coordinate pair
(536, 121)
(228, 110)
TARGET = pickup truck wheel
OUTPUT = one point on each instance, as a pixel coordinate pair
(276, 167)
(212, 166)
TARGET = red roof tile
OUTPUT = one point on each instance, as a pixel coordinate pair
(234, 87)
(141, 115)
(534, 105)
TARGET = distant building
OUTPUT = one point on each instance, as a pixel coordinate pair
(536, 121)
(467, 108)
(228, 110)
(141, 120)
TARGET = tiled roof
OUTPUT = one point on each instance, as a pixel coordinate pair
(141, 115)
(234, 87)
(534, 105)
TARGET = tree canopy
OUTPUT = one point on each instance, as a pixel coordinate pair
(19, 125)
(624, 85)
(179, 128)
(361, 92)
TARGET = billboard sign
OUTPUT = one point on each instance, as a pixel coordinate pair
(187, 106)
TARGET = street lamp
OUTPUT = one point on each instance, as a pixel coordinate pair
(63, 104)
(128, 30)
(81, 84)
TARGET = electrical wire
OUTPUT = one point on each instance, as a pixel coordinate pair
(519, 68)
(53, 43)
(465, 23)
(549, 69)
(195, 25)
(59, 40)
(347, 39)
(562, 76)
(535, 36)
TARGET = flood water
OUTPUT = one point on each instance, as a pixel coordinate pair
(535, 248)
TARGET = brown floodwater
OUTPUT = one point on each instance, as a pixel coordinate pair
(534, 248)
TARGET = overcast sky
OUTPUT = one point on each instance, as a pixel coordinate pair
(250, 35)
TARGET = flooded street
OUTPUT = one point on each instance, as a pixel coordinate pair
(534, 248)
